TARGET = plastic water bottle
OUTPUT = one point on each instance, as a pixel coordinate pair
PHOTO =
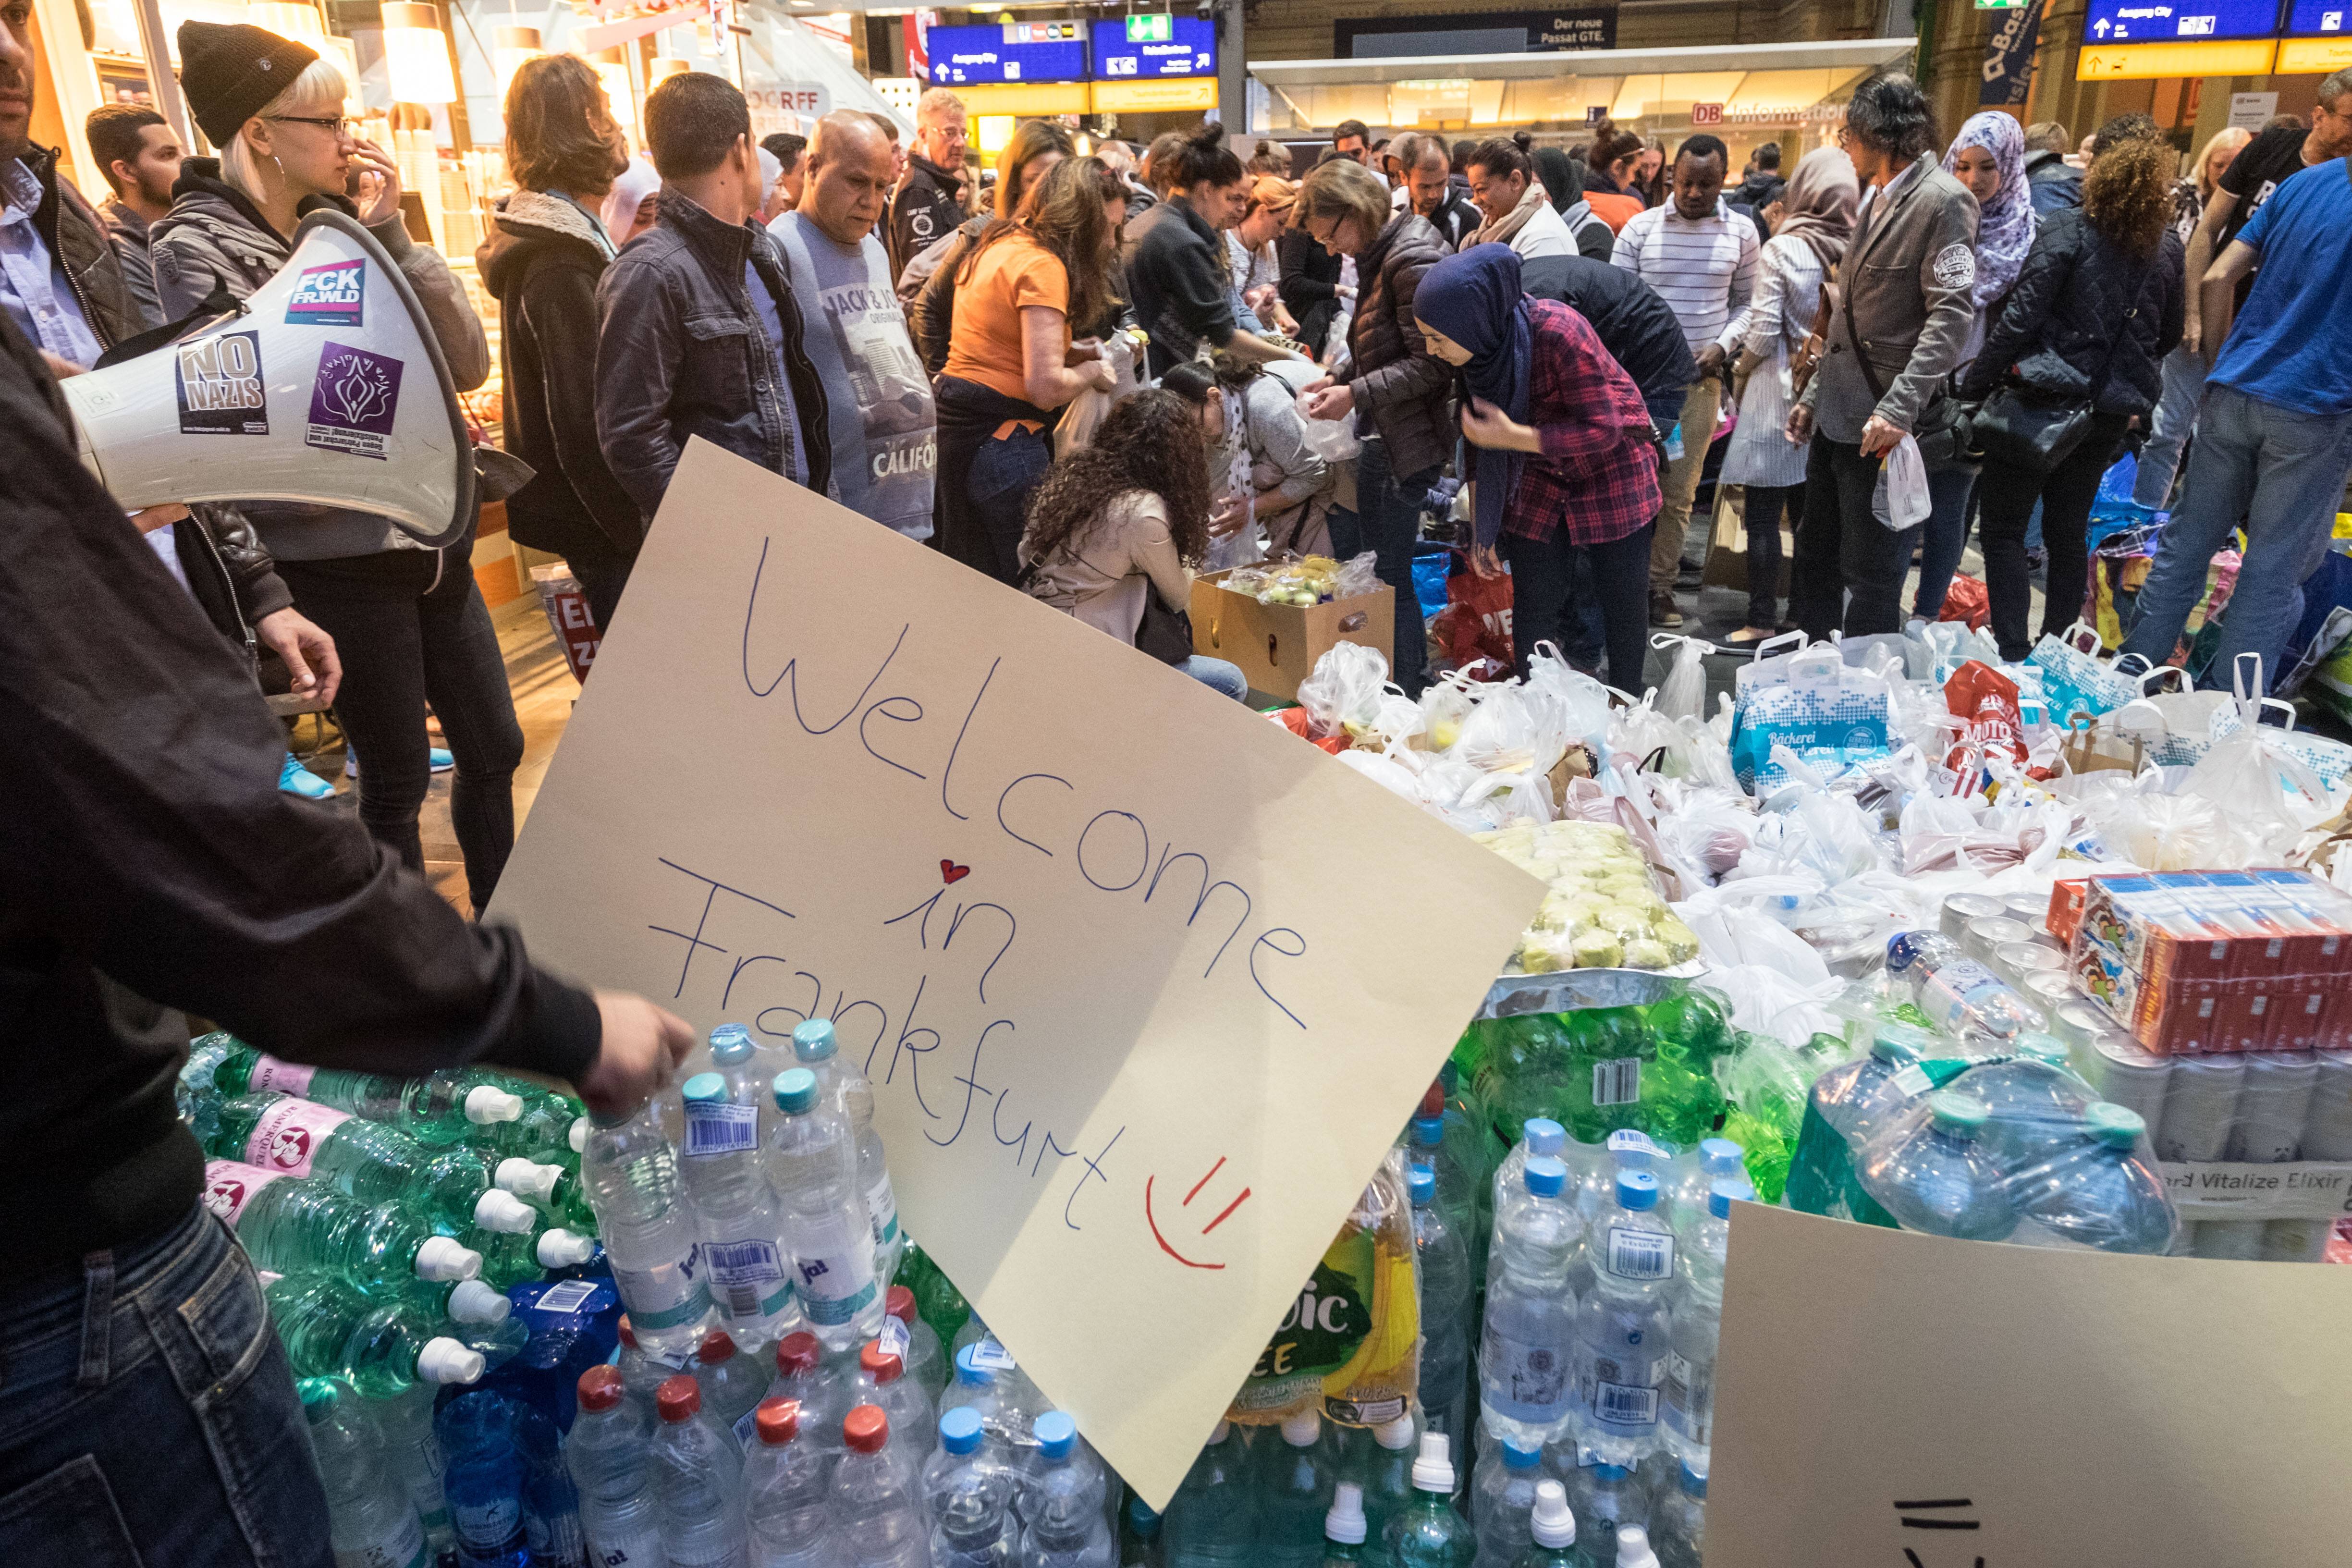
(1018, 1397)
(1503, 1501)
(878, 1504)
(733, 1381)
(1622, 1328)
(379, 1347)
(510, 1258)
(1935, 1175)
(1386, 1475)
(1066, 1527)
(291, 1225)
(814, 1160)
(551, 1189)
(610, 1452)
(1211, 1521)
(649, 1231)
(1633, 1548)
(1688, 1413)
(1524, 1380)
(822, 1393)
(1694, 1175)
(552, 1131)
(841, 1083)
(1678, 1521)
(414, 1456)
(1294, 1493)
(642, 1370)
(551, 1503)
(1607, 1499)
(2033, 1101)
(1542, 1135)
(1457, 1193)
(440, 1107)
(970, 1493)
(1138, 1543)
(1551, 1529)
(927, 1362)
(363, 1159)
(2104, 1192)
(371, 1519)
(483, 1479)
(698, 1474)
(1962, 996)
(1344, 1527)
(1429, 1534)
(1445, 1305)
(882, 1382)
(787, 1483)
(1842, 1101)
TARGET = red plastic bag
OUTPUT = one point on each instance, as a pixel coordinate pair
(1965, 600)
(1477, 621)
(1986, 700)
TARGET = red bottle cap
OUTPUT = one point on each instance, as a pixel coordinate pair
(628, 1332)
(1433, 1102)
(879, 1364)
(678, 1398)
(798, 1353)
(600, 1388)
(865, 1429)
(900, 1304)
(779, 1421)
(717, 1347)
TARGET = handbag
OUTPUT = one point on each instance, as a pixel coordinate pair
(1165, 634)
(1939, 433)
(2035, 431)
(1809, 357)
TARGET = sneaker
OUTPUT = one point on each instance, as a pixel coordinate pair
(441, 759)
(1662, 610)
(296, 779)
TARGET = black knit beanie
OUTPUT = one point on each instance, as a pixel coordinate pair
(231, 73)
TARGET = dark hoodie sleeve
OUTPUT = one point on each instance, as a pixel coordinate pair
(558, 299)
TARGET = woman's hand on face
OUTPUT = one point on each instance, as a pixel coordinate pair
(1333, 402)
(375, 182)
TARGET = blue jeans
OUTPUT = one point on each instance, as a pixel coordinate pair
(2283, 471)
(2170, 428)
(1387, 516)
(152, 1418)
(1945, 541)
(1218, 676)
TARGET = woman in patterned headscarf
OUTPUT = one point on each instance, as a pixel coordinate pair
(1988, 157)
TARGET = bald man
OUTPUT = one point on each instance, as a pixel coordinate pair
(877, 398)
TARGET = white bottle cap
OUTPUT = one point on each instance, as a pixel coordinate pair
(528, 1179)
(578, 1136)
(1555, 1526)
(475, 1301)
(442, 1260)
(504, 1212)
(560, 1249)
(1633, 1548)
(1432, 1471)
(1345, 1523)
(446, 1361)
(1302, 1429)
(1395, 1435)
(485, 1104)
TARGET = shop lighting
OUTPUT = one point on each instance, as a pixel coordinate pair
(298, 21)
(512, 47)
(417, 54)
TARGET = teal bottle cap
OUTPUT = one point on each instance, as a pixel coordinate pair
(795, 1091)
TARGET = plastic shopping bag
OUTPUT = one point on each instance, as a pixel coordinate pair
(1477, 623)
(1684, 694)
(1901, 498)
(1333, 440)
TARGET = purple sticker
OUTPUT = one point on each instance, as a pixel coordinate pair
(327, 296)
(353, 401)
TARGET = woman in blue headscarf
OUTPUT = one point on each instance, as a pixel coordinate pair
(1566, 457)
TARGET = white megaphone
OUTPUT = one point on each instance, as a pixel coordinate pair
(325, 385)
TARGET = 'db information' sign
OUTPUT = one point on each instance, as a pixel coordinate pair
(1145, 985)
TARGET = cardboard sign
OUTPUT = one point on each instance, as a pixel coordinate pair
(1145, 984)
(1887, 1398)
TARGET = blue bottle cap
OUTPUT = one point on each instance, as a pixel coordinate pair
(1545, 1177)
(730, 1044)
(1544, 1136)
(1721, 1156)
(959, 1430)
(1141, 1520)
(1423, 1185)
(1694, 1481)
(1518, 1459)
(1637, 1190)
(705, 1087)
(813, 1041)
(972, 1373)
(1722, 1194)
(795, 1091)
(1611, 1472)
(1428, 1132)
(1057, 1435)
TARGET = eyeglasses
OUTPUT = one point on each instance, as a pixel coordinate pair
(335, 123)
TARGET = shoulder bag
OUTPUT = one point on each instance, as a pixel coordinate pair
(1165, 634)
(1939, 424)
(2021, 428)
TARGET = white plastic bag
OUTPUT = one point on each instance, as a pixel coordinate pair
(1901, 498)
(1333, 440)
(1684, 692)
(1345, 686)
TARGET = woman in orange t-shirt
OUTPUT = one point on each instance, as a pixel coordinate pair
(1010, 360)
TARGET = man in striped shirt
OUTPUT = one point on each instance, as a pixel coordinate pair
(1700, 257)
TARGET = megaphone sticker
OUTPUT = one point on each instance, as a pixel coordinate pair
(353, 401)
(329, 296)
(220, 386)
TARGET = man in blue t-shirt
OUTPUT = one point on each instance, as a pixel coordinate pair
(2274, 435)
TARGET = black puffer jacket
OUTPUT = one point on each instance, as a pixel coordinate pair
(1403, 391)
(2058, 327)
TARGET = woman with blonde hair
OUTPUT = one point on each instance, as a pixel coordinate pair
(2184, 368)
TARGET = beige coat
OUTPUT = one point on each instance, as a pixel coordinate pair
(1102, 582)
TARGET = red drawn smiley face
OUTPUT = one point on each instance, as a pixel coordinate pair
(1160, 1237)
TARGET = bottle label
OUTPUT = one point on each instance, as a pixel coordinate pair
(1912, 1081)
(569, 1297)
(489, 1528)
(1626, 1141)
(1617, 1082)
(1522, 1382)
(1957, 990)
(230, 1184)
(747, 1278)
(1636, 1254)
(747, 1427)
(991, 1356)
(289, 1134)
(402, 1545)
(894, 1339)
(836, 1278)
(1680, 1416)
(720, 1128)
(1624, 1404)
(882, 1206)
(696, 1301)
(286, 1078)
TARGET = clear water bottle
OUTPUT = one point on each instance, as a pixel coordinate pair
(1066, 1526)
(1962, 996)
(511, 1258)
(970, 1492)
(1634, 1549)
(1294, 1492)
(553, 1192)
(1678, 1520)
(1688, 1414)
(1524, 1362)
(1621, 1328)
(926, 1361)
(1694, 1175)
(1934, 1174)
(371, 1519)
(363, 1159)
(1606, 1499)
(820, 1390)
(291, 1225)
(1017, 1393)
(483, 1480)
(649, 1231)
(1445, 1308)
(882, 1382)
(697, 1481)
(877, 1504)
(1386, 1475)
(1345, 1527)
(1503, 1501)
(814, 1161)
(1211, 1521)
(2103, 1192)
(787, 1492)
(439, 1108)
(551, 1503)
(643, 1372)
(610, 1452)
(551, 1131)
(1843, 1101)
(413, 1455)
(733, 1381)
(380, 1347)
(1551, 1529)
(1542, 1135)
(815, 1046)
(1429, 1534)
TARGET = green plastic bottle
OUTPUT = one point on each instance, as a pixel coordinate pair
(1555, 1529)
(1430, 1534)
(511, 1258)
(291, 1227)
(1343, 1527)
(438, 1109)
(381, 1348)
(372, 1163)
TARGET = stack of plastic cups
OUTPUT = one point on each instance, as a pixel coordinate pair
(1963, 908)
(2201, 1106)
(2273, 1105)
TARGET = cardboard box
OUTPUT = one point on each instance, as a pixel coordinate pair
(1276, 645)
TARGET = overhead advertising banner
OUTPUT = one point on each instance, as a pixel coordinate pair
(1476, 33)
(2009, 58)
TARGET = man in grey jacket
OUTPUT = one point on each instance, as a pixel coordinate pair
(1900, 322)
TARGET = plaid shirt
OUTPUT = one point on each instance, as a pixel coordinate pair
(1597, 476)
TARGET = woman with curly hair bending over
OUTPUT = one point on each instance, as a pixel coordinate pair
(1115, 529)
